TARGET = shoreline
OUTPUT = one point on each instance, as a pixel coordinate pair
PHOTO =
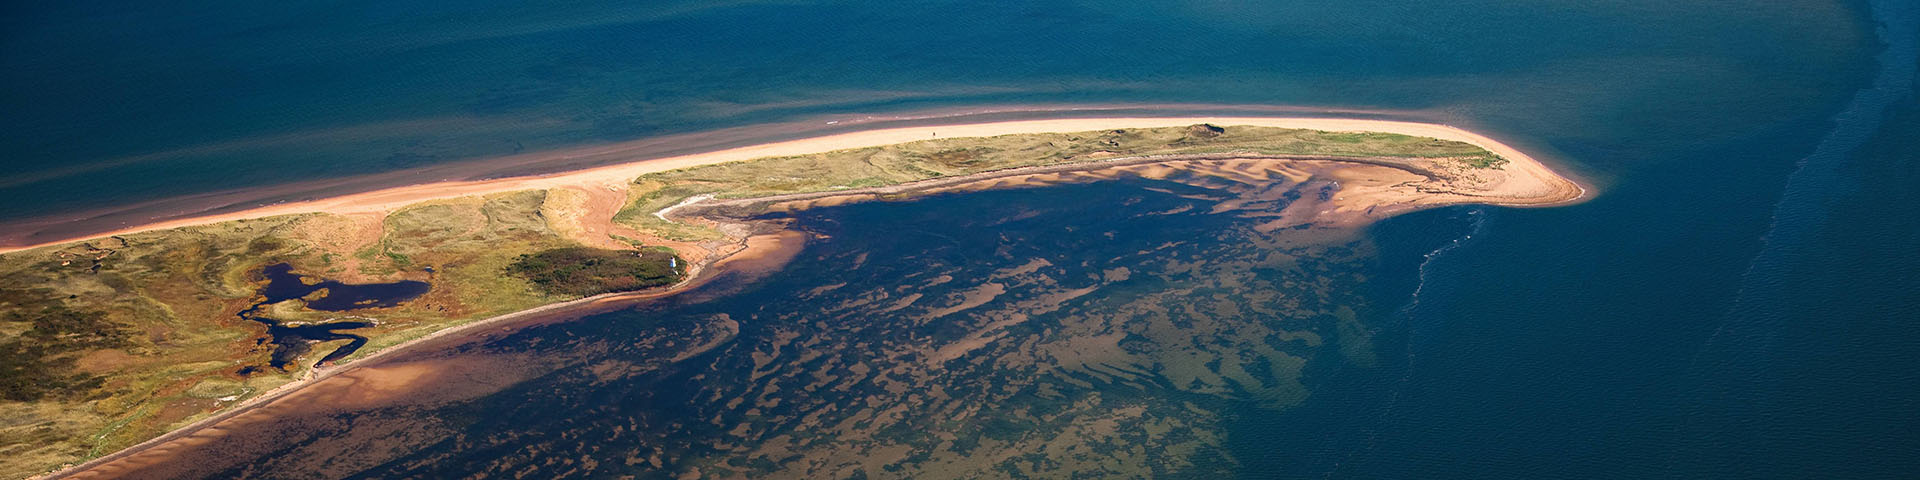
(390, 199)
(95, 219)
(1553, 190)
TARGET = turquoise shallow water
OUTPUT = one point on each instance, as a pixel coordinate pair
(1739, 301)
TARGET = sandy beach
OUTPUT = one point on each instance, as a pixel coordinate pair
(1541, 182)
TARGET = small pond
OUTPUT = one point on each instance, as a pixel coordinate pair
(292, 341)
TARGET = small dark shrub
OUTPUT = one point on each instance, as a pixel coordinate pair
(592, 271)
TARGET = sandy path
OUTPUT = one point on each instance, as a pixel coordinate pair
(588, 214)
(1545, 183)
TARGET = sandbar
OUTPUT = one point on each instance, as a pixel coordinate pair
(1544, 185)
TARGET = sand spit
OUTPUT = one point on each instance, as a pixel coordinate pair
(1364, 188)
(1524, 181)
(1543, 182)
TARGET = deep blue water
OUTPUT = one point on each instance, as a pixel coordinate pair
(1740, 301)
(283, 285)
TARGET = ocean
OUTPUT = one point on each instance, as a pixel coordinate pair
(1738, 300)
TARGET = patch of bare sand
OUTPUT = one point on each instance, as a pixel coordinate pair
(585, 213)
(342, 235)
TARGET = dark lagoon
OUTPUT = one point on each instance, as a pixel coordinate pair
(1739, 301)
(291, 341)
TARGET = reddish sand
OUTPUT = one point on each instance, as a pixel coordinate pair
(1531, 179)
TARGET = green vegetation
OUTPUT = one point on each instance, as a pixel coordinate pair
(587, 271)
(35, 363)
(1485, 161)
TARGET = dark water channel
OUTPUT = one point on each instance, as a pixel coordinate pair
(292, 341)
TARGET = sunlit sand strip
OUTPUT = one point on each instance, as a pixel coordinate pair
(1543, 185)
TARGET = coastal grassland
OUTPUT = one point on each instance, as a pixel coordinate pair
(125, 338)
(170, 296)
(935, 158)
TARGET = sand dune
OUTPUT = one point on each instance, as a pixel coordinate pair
(1533, 180)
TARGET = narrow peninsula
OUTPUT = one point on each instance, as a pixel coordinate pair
(148, 334)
